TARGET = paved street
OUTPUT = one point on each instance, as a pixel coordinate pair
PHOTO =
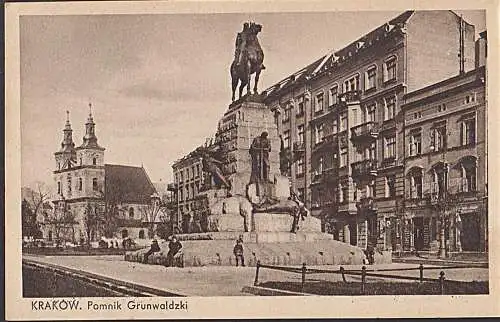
(222, 281)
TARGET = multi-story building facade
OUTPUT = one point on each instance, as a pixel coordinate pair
(188, 180)
(341, 118)
(445, 161)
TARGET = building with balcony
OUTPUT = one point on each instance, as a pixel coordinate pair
(445, 162)
(341, 118)
(188, 181)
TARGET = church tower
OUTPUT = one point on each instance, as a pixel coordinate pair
(65, 161)
(90, 162)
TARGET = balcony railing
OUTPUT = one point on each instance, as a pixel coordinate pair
(365, 130)
(349, 97)
(366, 203)
(365, 167)
(299, 147)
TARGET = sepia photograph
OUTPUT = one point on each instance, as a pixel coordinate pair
(173, 156)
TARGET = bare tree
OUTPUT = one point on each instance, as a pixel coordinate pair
(62, 220)
(38, 196)
(94, 219)
(150, 214)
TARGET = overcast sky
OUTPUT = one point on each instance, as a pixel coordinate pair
(158, 83)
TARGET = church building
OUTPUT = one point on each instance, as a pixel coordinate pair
(94, 199)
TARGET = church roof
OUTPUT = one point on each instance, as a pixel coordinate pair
(128, 184)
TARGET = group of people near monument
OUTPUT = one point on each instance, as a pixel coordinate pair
(174, 255)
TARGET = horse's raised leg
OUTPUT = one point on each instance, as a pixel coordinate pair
(249, 75)
(256, 81)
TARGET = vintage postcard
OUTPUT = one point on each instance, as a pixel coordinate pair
(251, 159)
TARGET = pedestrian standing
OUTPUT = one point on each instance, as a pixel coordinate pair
(238, 252)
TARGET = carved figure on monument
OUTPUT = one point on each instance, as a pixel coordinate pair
(213, 166)
(259, 151)
(248, 59)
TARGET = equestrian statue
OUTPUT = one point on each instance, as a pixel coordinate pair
(248, 59)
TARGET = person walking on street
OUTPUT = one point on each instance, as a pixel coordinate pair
(238, 252)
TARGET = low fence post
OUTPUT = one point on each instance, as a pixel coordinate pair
(343, 274)
(363, 279)
(303, 277)
(421, 269)
(256, 282)
(441, 282)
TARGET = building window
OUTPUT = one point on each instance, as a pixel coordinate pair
(371, 151)
(141, 234)
(438, 137)
(343, 122)
(370, 190)
(69, 185)
(351, 84)
(441, 107)
(286, 114)
(80, 184)
(300, 134)
(58, 165)
(343, 156)
(390, 69)
(344, 193)
(320, 165)
(390, 147)
(334, 95)
(390, 186)
(94, 161)
(334, 126)
(439, 181)
(371, 78)
(417, 115)
(300, 107)
(415, 144)
(81, 162)
(416, 185)
(470, 98)
(131, 213)
(300, 166)
(197, 171)
(182, 176)
(468, 180)
(318, 133)
(59, 190)
(370, 113)
(468, 131)
(318, 107)
(286, 139)
(94, 184)
(390, 108)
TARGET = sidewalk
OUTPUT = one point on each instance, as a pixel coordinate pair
(219, 280)
(429, 260)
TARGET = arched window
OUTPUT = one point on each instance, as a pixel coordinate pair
(468, 175)
(415, 183)
(94, 161)
(141, 234)
(439, 179)
(131, 213)
(124, 233)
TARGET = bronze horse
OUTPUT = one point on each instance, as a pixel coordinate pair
(250, 62)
